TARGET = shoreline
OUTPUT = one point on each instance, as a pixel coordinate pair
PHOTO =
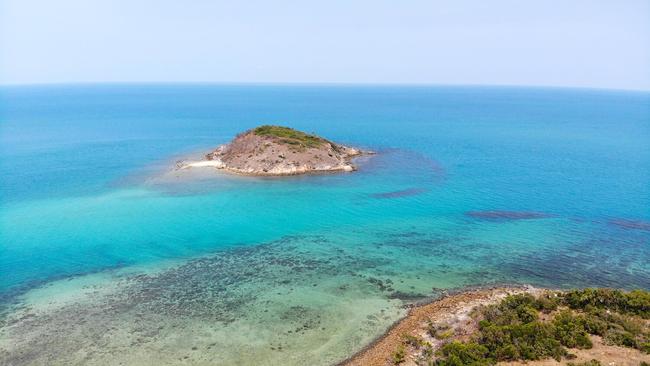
(455, 309)
(271, 150)
(380, 350)
(220, 166)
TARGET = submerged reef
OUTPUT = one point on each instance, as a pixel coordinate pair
(297, 300)
(507, 215)
(631, 224)
(400, 193)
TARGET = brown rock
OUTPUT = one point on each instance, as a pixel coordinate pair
(256, 152)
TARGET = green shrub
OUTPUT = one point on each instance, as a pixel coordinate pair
(620, 337)
(414, 341)
(431, 328)
(570, 330)
(439, 331)
(458, 354)
(636, 302)
(617, 329)
(290, 136)
(595, 325)
(512, 331)
(514, 309)
(515, 301)
(547, 302)
(399, 355)
(644, 346)
(531, 341)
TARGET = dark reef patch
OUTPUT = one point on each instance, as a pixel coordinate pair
(631, 224)
(400, 193)
(587, 264)
(255, 283)
(409, 297)
(498, 215)
(218, 289)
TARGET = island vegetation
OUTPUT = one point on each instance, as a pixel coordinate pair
(525, 327)
(290, 136)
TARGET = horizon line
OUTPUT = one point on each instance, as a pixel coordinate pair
(317, 83)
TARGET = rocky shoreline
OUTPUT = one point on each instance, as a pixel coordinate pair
(458, 304)
(279, 151)
(453, 317)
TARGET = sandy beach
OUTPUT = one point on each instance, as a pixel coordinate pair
(201, 164)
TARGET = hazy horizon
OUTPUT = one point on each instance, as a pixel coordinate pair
(311, 83)
(581, 44)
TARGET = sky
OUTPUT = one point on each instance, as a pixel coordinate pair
(594, 43)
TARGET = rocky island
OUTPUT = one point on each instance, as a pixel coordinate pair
(277, 150)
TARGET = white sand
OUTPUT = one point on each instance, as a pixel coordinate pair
(203, 163)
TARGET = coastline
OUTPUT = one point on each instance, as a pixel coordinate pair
(351, 165)
(455, 309)
(218, 165)
(271, 150)
(452, 303)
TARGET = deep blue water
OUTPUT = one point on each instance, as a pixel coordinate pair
(470, 186)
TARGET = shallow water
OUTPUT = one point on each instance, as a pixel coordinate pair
(107, 257)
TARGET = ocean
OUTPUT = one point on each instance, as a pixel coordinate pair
(107, 256)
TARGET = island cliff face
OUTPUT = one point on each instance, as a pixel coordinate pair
(276, 150)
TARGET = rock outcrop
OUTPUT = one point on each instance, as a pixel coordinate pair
(276, 150)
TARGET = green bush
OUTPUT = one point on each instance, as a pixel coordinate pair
(459, 354)
(636, 302)
(512, 330)
(620, 338)
(547, 302)
(514, 309)
(531, 341)
(445, 334)
(570, 330)
(414, 341)
(399, 355)
(290, 136)
(439, 331)
(617, 329)
(593, 324)
(644, 346)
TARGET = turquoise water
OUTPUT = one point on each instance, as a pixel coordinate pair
(470, 186)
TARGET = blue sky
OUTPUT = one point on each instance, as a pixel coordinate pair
(596, 43)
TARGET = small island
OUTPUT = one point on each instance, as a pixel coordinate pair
(276, 150)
